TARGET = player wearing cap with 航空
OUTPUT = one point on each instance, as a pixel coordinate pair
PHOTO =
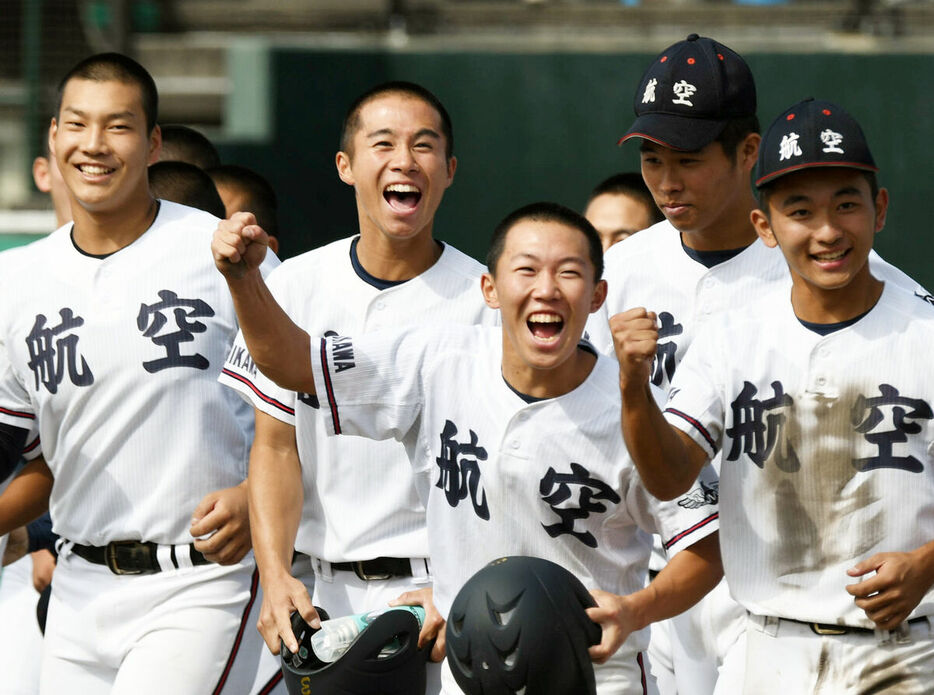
(824, 422)
(698, 135)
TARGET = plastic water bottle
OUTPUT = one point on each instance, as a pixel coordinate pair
(335, 636)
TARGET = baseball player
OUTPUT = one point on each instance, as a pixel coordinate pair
(112, 335)
(361, 530)
(511, 432)
(698, 135)
(620, 206)
(824, 424)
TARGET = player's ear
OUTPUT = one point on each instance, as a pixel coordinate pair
(155, 144)
(882, 206)
(748, 151)
(488, 287)
(763, 228)
(342, 160)
(53, 130)
(452, 167)
(599, 296)
(41, 175)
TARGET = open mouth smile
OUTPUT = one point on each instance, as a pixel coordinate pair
(545, 327)
(402, 197)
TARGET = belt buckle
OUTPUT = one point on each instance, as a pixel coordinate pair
(823, 629)
(128, 557)
(359, 570)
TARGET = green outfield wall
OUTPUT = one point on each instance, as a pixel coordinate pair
(535, 126)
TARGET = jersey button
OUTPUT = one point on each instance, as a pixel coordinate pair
(514, 444)
(821, 381)
(380, 305)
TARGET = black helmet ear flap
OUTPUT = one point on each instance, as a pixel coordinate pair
(362, 669)
(520, 625)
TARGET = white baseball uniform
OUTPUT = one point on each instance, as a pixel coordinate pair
(654, 270)
(826, 459)
(116, 358)
(348, 513)
(503, 476)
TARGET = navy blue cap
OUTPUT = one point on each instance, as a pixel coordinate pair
(690, 92)
(812, 133)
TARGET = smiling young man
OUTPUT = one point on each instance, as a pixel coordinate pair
(111, 339)
(699, 139)
(360, 530)
(824, 420)
(512, 432)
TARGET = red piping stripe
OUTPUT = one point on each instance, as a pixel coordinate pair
(686, 532)
(18, 413)
(696, 424)
(328, 387)
(239, 639)
(272, 683)
(268, 399)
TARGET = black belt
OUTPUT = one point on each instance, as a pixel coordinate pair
(831, 629)
(378, 568)
(133, 557)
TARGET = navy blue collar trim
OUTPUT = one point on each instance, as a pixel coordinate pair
(709, 259)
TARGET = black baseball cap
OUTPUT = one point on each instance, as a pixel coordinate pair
(690, 92)
(812, 133)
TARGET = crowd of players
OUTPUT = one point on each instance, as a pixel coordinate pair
(481, 407)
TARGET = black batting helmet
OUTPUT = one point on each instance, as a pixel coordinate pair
(360, 670)
(519, 625)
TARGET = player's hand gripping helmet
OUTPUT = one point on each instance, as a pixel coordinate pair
(360, 670)
(519, 626)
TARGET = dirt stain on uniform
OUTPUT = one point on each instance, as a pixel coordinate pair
(827, 511)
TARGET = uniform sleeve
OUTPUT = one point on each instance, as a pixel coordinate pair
(240, 372)
(371, 386)
(695, 400)
(16, 408)
(681, 522)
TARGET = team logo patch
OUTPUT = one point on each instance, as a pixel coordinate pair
(831, 141)
(153, 320)
(683, 92)
(705, 495)
(459, 470)
(342, 354)
(53, 352)
(649, 95)
(789, 147)
(240, 358)
(557, 491)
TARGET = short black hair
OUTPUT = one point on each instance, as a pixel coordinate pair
(106, 67)
(181, 182)
(632, 184)
(410, 89)
(183, 144)
(764, 193)
(735, 132)
(261, 197)
(546, 212)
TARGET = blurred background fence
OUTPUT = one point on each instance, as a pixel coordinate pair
(539, 90)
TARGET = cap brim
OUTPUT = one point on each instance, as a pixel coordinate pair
(812, 165)
(675, 132)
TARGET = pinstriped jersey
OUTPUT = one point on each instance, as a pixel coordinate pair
(116, 358)
(651, 269)
(826, 446)
(351, 513)
(550, 478)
